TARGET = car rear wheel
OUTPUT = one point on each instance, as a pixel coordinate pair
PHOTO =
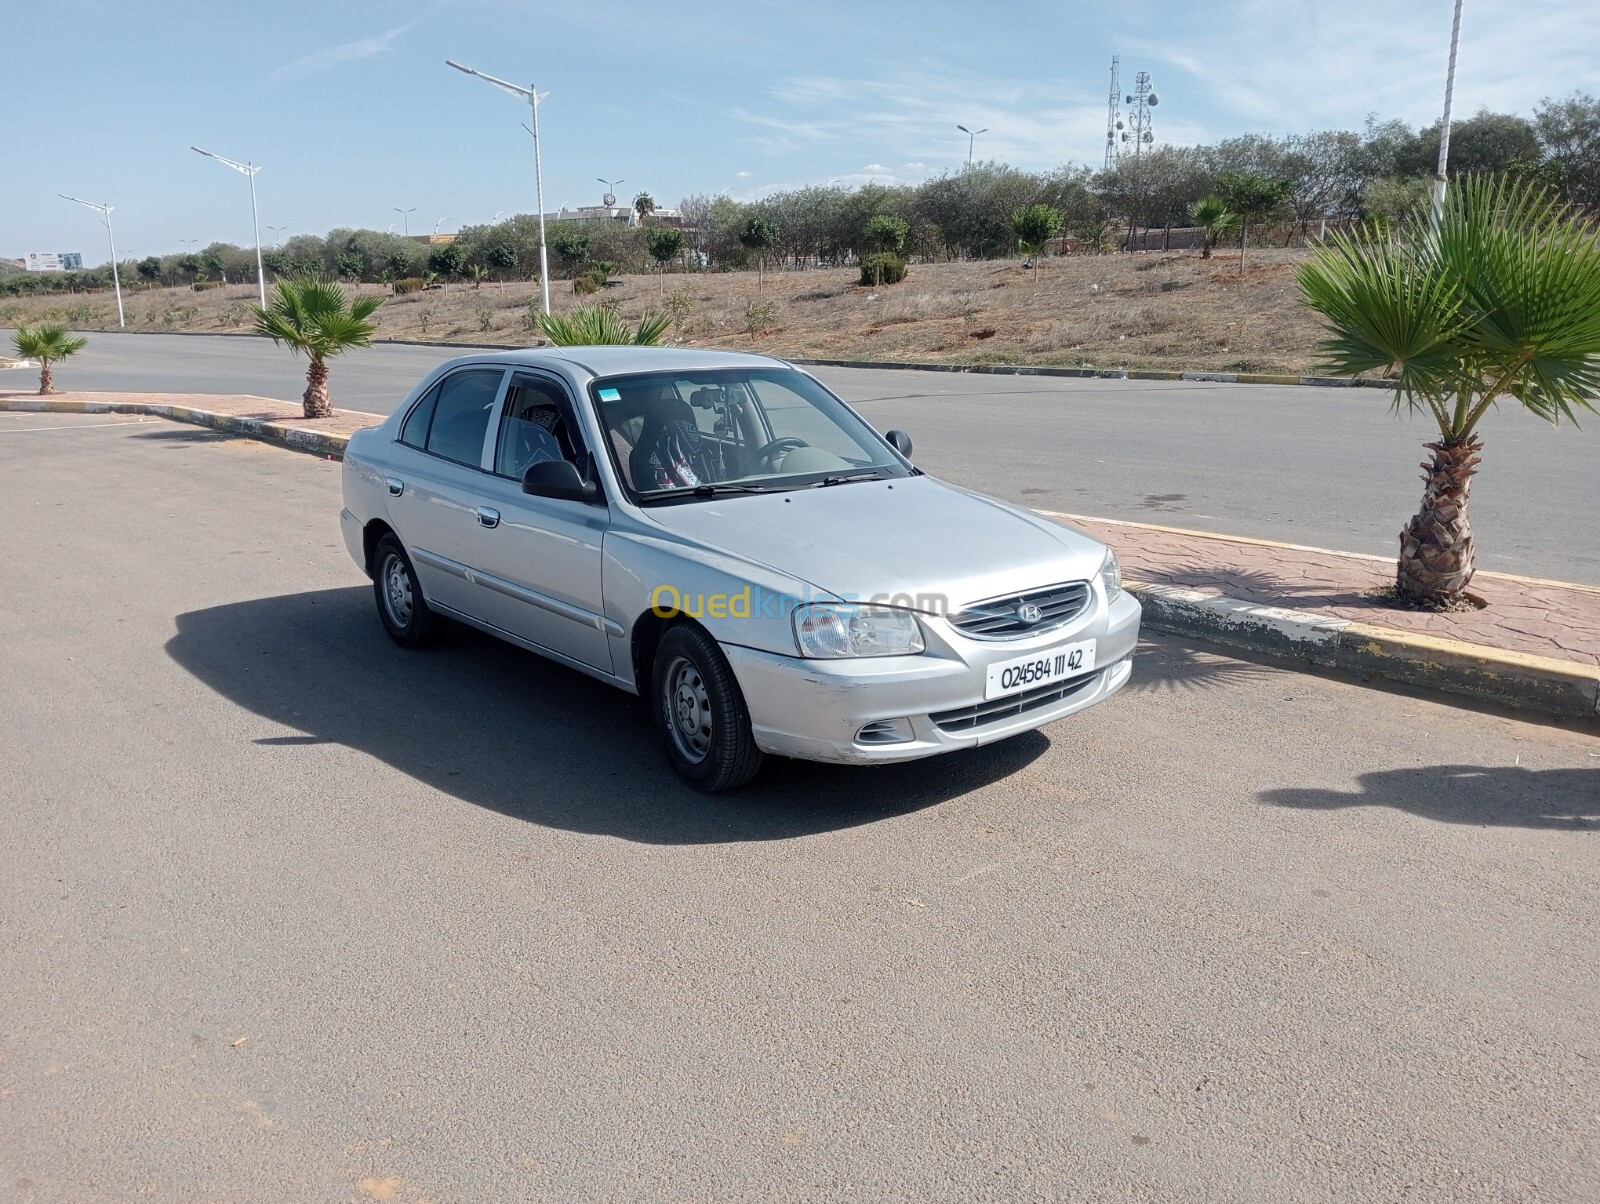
(401, 608)
(700, 712)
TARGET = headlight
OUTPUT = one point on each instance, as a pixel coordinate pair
(829, 630)
(1111, 576)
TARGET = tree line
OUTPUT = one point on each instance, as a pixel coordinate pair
(1284, 186)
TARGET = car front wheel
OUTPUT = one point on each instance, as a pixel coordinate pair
(401, 608)
(700, 712)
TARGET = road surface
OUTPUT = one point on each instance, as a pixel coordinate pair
(1331, 468)
(291, 914)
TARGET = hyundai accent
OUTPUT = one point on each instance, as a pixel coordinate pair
(722, 535)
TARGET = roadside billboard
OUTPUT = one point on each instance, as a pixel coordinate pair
(58, 261)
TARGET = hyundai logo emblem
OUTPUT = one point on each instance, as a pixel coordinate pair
(1029, 613)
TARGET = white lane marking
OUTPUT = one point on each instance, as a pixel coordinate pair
(70, 426)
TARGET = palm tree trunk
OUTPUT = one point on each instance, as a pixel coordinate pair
(1436, 546)
(47, 383)
(317, 402)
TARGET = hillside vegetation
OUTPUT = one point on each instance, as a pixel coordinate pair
(1164, 310)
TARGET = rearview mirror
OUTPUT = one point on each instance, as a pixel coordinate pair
(901, 442)
(558, 479)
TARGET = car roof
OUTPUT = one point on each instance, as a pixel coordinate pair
(602, 360)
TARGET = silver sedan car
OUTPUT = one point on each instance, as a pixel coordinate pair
(722, 535)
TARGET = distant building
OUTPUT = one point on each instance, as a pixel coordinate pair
(585, 214)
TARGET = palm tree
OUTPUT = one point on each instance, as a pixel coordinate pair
(644, 205)
(1214, 219)
(1498, 298)
(312, 315)
(46, 344)
(590, 324)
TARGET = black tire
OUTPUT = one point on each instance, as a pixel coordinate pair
(401, 608)
(700, 712)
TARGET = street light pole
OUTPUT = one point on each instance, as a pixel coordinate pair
(972, 136)
(405, 219)
(532, 96)
(437, 224)
(116, 278)
(247, 169)
(1444, 128)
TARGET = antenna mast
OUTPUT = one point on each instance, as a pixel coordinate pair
(1113, 112)
(1140, 131)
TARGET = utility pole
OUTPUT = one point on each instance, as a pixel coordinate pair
(1439, 176)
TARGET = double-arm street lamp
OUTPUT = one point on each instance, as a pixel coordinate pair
(105, 216)
(533, 97)
(405, 219)
(972, 136)
(247, 169)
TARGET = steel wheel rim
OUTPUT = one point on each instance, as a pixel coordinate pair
(397, 598)
(687, 706)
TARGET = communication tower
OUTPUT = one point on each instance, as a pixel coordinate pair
(1140, 132)
(1113, 112)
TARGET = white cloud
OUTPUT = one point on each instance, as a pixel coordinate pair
(332, 56)
(743, 175)
(1284, 68)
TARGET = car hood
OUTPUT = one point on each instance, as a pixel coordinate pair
(876, 539)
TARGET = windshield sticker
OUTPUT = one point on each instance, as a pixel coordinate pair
(610, 395)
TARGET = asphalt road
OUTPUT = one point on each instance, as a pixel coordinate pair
(291, 914)
(1327, 467)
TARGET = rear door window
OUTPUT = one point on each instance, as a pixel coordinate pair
(534, 426)
(461, 415)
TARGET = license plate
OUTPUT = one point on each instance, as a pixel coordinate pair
(1039, 669)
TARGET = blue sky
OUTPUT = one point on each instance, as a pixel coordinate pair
(350, 108)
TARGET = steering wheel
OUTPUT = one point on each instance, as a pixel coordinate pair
(766, 454)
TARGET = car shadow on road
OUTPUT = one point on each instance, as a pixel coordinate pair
(1494, 796)
(501, 728)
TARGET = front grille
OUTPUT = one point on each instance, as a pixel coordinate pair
(965, 719)
(999, 618)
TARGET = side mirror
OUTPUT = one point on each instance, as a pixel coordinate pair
(901, 442)
(559, 479)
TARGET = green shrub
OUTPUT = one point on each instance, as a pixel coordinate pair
(885, 267)
(759, 315)
(589, 282)
(411, 284)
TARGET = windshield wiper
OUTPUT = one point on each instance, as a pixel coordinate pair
(871, 474)
(714, 490)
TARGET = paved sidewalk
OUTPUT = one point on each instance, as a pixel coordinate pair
(241, 405)
(1541, 618)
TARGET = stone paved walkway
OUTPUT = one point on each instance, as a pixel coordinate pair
(1546, 618)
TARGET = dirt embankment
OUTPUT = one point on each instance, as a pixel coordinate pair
(1151, 310)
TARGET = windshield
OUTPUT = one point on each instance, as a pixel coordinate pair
(681, 435)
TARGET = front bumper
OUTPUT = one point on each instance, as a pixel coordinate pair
(816, 709)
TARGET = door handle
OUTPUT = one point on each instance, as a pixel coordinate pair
(396, 486)
(488, 517)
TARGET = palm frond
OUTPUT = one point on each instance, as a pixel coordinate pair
(1500, 296)
(588, 325)
(311, 315)
(46, 343)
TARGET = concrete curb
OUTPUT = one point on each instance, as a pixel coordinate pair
(285, 434)
(1512, 679)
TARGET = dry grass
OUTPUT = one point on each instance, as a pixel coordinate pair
(1152, 310)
